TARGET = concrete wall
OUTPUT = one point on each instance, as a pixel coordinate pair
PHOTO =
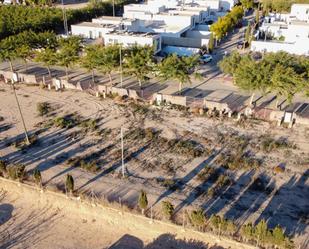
(185, 42)
(301, 11)
(198, 34)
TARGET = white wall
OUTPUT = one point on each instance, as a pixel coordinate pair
(87, 31)
(301, 11)
(198, 34)
(129, 40)
(299, 48)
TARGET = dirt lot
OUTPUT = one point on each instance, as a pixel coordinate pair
(168, 153)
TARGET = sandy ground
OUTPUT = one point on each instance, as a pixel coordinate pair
(29, 219)
(282, 200)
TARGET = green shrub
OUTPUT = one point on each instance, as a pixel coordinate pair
(37, 177)
(89, 166)
(270, 144)
(16, 172)
(65, 122)
(43, 108)
(206, 173)
(88, 125)
(198, 218)
(3, 168)
(142, 201)
(69, 183)
(167, 209)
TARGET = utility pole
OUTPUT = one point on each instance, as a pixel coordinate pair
(21, 115)
(122, 152)
(65, 20)
(120, 63)
(113, 8)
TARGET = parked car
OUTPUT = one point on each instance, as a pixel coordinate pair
(205, 58)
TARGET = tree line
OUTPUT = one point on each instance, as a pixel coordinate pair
(284, 74)
(279, 5)
(16, 18)
(227, 22)
(137, 61)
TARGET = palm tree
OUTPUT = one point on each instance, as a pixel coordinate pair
(178, 68)
(47, 57)
(139, 62)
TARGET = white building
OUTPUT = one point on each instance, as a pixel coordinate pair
(290, 32)
(159, 23)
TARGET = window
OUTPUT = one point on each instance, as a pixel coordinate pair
(100, 34)
(90, 34)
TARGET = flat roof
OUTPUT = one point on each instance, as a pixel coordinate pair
(95, 25)
(131, 33)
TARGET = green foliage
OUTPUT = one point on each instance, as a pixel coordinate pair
(198, 218)
(68, 53)
(47, 57)
(178, 69)
(69, 183)
(167, 209)
(18, 18)
(221, 225)
(88, 125)
(37, 177)
(279, 5)
(142, 200)
(248, 34)
(265, 236)
(66, 122)
(282, 73)
(269, 144)
(16, 172)
(43, 108)
(211, 43)
(139, 62)
(3, 168)
(227, 22)
(247, 4)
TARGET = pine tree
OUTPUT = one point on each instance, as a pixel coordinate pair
(211, 44)
(37, 177)
(142, 201)
(69, 183)
(167, 209)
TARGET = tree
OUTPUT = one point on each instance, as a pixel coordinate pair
(142, 201)
(139, 62)
(109, 59)
(68, 53)
(211, 43)
(257, 16)
(248, 34)
(48, 57)
(167, 209)
(8, 51)
(37, 177)
(198, 218)
(278, 237)
(90, 60)
(260, 231)
(3, 169)
(247, 4)
(229, 64)
(179, 69)
(24, 52)
(247, 231)
(69, 184)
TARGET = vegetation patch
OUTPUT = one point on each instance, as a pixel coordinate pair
(43, 108)
(270, 144)
(90, 166)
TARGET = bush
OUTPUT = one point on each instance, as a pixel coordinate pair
(3, 169)
(88, 125)
(167, 209)
(278, 169)
(89, 166)
(142, 201)
(69, 183)
(65, 122)
(198, 218)
(16, 172)
(269, 144)
(206, 174)
(43, 108)
(37, 177)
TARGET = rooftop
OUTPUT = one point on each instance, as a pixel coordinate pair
(131, 33)
(95, 25)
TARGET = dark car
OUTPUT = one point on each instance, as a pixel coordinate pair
(241, 44)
